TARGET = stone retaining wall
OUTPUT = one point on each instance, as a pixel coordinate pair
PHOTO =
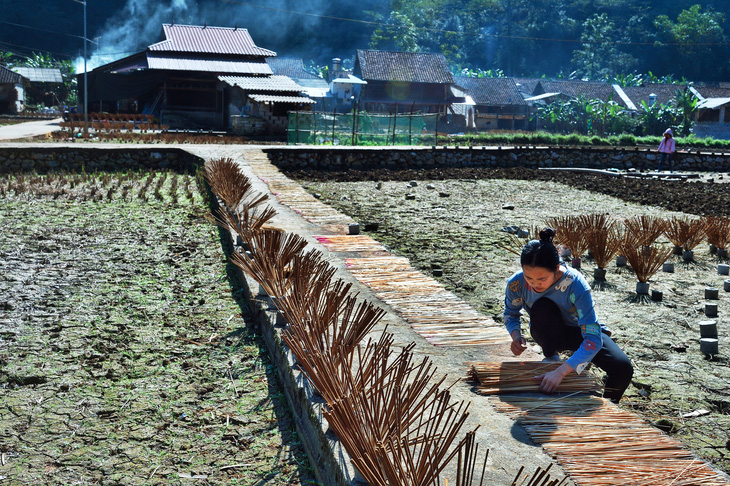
(71, 159)
(339, 159)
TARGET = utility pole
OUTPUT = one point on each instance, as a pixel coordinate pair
(86, 78)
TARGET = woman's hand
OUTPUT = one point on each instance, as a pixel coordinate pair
(552, 379)
(518, 343)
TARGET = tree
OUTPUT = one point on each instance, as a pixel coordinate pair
(6, 59)
(695, 42)
(656, 118)
(600, 56)
(398, 33)
(686, 103)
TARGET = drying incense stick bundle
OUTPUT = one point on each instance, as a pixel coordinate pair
(519, 377)
(601, 444)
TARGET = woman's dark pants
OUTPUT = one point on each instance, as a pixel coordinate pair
(549, 330)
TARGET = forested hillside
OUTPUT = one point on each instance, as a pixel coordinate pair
(590, 38)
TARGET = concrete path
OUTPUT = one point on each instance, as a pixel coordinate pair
(20, 131)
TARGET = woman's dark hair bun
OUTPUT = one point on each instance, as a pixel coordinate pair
(547, 234)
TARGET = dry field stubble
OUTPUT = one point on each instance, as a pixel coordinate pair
(124, 355)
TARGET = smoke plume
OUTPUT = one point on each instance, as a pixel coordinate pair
(311, 29)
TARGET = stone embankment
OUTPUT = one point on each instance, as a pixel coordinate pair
(344, 158)
(71, 159)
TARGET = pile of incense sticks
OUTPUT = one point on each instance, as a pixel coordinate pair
(354, 243)
(291, 194)
(600, 444)
(520, 377)
(438, 315)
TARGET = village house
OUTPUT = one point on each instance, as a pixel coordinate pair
(548, 90)
(498, 104)
(45, 85)
(345, 88)
(405, 82)
(712, 118)
(12, 91)
(312, 86)
(198, 77)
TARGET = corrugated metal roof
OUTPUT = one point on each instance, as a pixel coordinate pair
(267, 83)
(314, 88)
(210, 40)
(712, 103)
(410, 67)
(349, 79)
(207, 65)
(542, 96)
(281, 99)
(7, 76)
(491, 91)
(40, 75)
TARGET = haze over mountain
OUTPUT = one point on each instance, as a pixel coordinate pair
(594, 38)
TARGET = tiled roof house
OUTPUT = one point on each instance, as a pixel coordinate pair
(405, 81)
(498, 102)
(574, 89)
(10, 83)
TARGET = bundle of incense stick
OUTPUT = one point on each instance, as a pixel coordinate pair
(600, 444)
(438, 315)
(348, 243)
(291, 194)
(519, 377)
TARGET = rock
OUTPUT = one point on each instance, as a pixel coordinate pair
(513, 230)
(508, 206)
(413, 183)
(666, 425)
(430, 186)
(410, 196)
(444, 194)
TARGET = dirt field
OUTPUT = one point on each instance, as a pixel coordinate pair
(124, 355)
(454, 218)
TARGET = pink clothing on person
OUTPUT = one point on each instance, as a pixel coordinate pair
(667, 146)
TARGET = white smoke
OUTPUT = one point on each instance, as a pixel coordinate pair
(139, 24)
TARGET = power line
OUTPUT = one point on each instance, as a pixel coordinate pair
(33, 50)
(41, 30)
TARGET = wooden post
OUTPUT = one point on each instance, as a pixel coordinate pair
(395, 120)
